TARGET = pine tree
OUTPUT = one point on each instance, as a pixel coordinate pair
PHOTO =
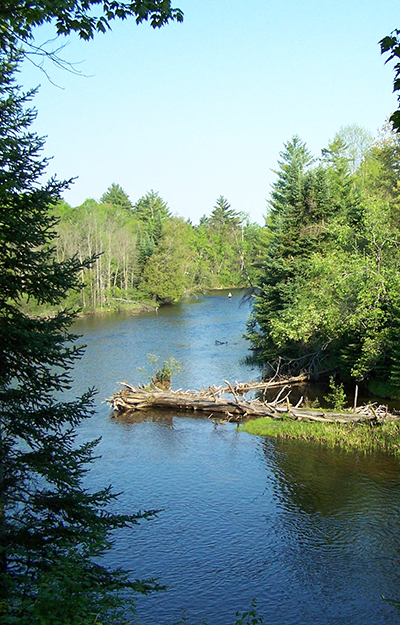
(223, 218)
(150, 208)
(300, 202)
(51, 528)
(116, 196)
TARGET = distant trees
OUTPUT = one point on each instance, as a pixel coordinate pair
(357, 143)
(150, 208)
(116, 196)
(226, 252)
(148, 254)
(168, 273)
(223, 218)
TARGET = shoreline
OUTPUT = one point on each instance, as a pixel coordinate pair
(355, 437)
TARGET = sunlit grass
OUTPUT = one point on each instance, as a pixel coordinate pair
(350, 437)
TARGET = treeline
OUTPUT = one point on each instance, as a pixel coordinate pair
(328, 296)
(324, 269)
(145, 253)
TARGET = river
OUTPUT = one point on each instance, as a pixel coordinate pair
(314, 534)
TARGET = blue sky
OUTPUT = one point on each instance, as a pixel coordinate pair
(202, 109)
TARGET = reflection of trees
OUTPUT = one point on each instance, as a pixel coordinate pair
(339, 529)
(313, 478)
(163, 417)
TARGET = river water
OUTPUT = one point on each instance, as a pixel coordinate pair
(314, 534)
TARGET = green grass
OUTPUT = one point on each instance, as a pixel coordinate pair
(350, 437)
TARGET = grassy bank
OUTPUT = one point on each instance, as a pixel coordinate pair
(133, 307)
(350, 437)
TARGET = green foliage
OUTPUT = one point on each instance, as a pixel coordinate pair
(337, 397)
(391, 45)
(161, 377)
(227, 246)
(329, 282)
(84, 17)
(53, 531)
(164, 274)
(164, 375)
(297, 229)
(111, 232)
(222, 216)
(145, 255)
(116, 196)
(251, 617)
(150, 208)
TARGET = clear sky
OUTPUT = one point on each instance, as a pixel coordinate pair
(202, 109)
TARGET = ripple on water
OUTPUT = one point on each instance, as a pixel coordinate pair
(312, 533)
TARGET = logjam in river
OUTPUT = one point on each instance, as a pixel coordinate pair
(230, 403)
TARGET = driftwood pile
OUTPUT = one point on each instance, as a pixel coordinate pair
(230, 403)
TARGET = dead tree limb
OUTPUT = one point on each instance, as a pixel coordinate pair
(213, 401)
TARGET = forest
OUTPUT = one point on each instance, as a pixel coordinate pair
(327, 295)
(145, 255)
(322, 270)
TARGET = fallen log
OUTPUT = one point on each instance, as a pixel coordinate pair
(213, 401)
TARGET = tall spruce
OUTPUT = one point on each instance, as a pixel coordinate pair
(300, 204)
(116, 196)
(52, 530)
(328, 292)
(289, 245)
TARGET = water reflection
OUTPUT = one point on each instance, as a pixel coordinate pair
(313, 533)
(164, 417)
(315, 479)
(340, 526)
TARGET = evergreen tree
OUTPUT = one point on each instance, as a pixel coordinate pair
(52, 530)
(116, 196)
(300, 203)
(150, 208)
(221, 244)
(328, 291)
(223, 218)
(288, 190)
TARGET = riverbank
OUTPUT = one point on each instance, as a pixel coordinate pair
(133, 307)
(217, 484)
(362, 437)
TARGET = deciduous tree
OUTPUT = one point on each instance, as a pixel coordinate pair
(18, 19)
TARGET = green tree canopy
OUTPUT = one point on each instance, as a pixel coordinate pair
(328, 289)
(223, 216)
(84, 17)
(116, 196)
(391, 45)
(151, 207)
